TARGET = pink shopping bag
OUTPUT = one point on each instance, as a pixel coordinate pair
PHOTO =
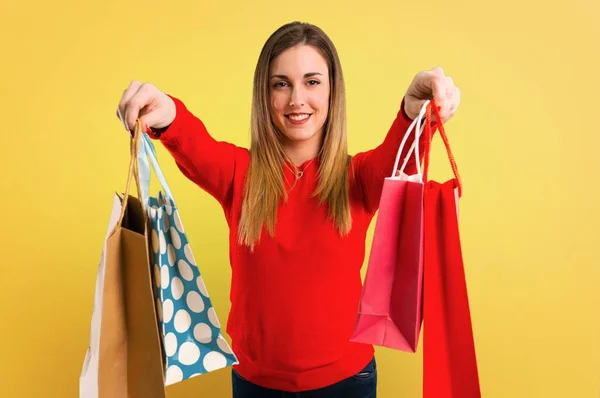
(390, 311)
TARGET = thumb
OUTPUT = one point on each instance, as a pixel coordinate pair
(159, 113)
(438, 90)
(418, 104)
(149, 120)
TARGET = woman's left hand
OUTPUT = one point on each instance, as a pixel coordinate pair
(432, 85)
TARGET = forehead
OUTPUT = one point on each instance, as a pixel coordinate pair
(298, 60)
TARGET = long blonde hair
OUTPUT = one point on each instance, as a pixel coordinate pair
(264, 186)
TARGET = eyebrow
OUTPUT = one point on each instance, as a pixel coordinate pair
(310, 74)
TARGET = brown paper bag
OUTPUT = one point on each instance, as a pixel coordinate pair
(124, 359)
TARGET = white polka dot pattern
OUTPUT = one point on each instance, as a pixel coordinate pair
(185, 270)
(170, 344)
(214, 360)
(189, 353)
(203, 333)
(168, 310)
(190, 327)
(182, 321)
(171, 256)
(223, 345)
(162, 243)
(194, 302)
(174, 375)
(176, 288)
(175, 238)
(164, 277)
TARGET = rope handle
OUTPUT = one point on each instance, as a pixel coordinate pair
(428, 137)
(132, 174)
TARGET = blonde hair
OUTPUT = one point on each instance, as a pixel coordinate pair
(264, 186)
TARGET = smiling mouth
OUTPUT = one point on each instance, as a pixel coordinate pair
(298, 117)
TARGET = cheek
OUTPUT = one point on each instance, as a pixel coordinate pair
(323, 106)
(277, 105)
(321, 101)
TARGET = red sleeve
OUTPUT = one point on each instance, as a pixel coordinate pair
(372, 167)
(207, 162)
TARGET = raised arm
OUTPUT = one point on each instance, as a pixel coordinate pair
(209, 163)
(372, 167)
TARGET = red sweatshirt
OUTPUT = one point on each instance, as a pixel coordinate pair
(294, 301)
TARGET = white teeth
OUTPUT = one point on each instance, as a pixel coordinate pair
(299, 117)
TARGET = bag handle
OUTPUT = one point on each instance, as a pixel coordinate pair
(416, 124)
(428, 137)
(132, 174)
(147, 151)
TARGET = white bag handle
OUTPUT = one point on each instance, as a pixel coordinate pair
(415, 147)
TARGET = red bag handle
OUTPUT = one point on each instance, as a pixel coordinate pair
(428, 138)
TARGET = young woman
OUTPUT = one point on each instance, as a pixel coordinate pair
(298, 207)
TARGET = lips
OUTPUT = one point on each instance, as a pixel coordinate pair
(298, 118)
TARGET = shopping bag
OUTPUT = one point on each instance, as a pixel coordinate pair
(391, 300)
(190, 329)
(124, 357)
(449, 358)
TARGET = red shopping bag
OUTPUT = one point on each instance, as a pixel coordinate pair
(449, 360)
(390, 306)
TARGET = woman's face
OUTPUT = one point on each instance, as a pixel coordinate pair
(299, 94)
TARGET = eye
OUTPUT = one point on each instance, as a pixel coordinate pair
(313, 82)
(280, 84)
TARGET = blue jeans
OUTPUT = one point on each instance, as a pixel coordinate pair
(361, 385)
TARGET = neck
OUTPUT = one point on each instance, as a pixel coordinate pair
(300, 152)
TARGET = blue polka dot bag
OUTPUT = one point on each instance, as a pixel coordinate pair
(192, 341)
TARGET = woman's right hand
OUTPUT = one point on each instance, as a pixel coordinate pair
(140, 100)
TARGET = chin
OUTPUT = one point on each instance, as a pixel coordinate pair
(304, 134)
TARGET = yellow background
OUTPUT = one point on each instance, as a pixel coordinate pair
(525, 138)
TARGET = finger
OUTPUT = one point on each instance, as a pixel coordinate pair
(127, 94)
(138, 100)
(419, 106)
(438, 71)
(455, 101)
(450, 103)
(454, 98)
(121, 118)
(450, 92)
(151, 118)
(438, 90)
(449, 87)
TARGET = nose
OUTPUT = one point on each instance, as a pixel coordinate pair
(296, 98)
